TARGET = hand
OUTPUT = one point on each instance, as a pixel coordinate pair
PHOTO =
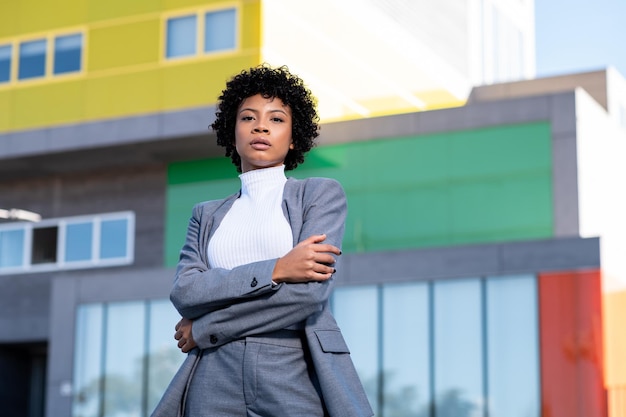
(309, 260)
(184, 336)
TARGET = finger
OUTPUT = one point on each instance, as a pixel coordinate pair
(314, 239)
(326, 247)
(324, 258)
(181, 343)
(178, 335)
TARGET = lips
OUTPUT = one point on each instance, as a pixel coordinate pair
(260, 144)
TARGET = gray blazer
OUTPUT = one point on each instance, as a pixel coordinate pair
(227, 305)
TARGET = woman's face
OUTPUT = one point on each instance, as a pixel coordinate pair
(263, 132)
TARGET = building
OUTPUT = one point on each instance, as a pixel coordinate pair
(493, 283)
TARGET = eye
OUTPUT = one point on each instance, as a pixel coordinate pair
(247, 118)
(277, 119)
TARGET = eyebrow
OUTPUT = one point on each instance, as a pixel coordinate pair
(256, 111)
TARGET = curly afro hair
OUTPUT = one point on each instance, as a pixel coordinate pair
(270, 83)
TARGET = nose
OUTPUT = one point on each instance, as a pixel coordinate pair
(260, 129)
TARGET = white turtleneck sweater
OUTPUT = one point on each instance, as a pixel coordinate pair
(255, 228)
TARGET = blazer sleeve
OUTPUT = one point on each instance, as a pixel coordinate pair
(325, 211)
(198, 289)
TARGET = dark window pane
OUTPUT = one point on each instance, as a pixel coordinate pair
(67, 53)
(32, 61)
(5, 63)
(44, 245)
(220, 30)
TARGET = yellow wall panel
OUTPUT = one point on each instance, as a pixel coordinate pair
(9, 12)
(119, 46)
(123, 95)
(250, 25)
(200, 83)
(179, 4)
(111, 9)
(43, 15)
(47, 104)
(5, 109)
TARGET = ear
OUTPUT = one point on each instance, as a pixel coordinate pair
(291, 146)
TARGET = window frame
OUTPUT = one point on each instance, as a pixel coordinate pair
(50, 52)
(61, 263)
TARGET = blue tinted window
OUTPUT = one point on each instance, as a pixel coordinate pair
(78, 242)
(32, 62)
(11, 248)
(113, 238)
(219, 30)
(124, 359)
(5, 63)
(67, 53)
(458, 348)
(406, 354)
(181, 36)
(88, 360)
(513, 347)
(356, 311)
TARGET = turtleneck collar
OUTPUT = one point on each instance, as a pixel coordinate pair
(257, 181)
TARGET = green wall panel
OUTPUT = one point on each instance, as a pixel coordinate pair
(478, 186)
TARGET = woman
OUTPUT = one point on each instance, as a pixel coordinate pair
(255, 274)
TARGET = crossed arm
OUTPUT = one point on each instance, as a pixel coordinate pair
(220, 305)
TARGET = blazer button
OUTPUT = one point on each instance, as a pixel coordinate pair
(254, 282)
(213, 339)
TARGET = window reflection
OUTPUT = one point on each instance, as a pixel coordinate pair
(458, 348)
(356, 311)
(5, 63)
(78, 242)
(219, 30)
(113, 238)
(125, 357)
(88, 361)
(181, 36)
(32, 59)
(11, 248)
(67, 53)
(164, 357)
(406, 364)
(513, 346)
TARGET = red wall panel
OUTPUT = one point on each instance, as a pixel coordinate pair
(570, 313)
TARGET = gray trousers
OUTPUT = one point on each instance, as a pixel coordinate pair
(262, 376)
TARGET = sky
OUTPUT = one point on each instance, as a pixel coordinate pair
(580, 35)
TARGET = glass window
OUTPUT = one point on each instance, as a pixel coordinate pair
(44, 248)
(513, 347)
(356, 311)
(88, 361)
(406, 355)
(458, 348)
(181, 36)
(32, 61)
(219, 30)
(78, 242)
(67, 53)
(12, 248)
(124, 359)
(164, 358)
(113, 238)
(5, 63)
